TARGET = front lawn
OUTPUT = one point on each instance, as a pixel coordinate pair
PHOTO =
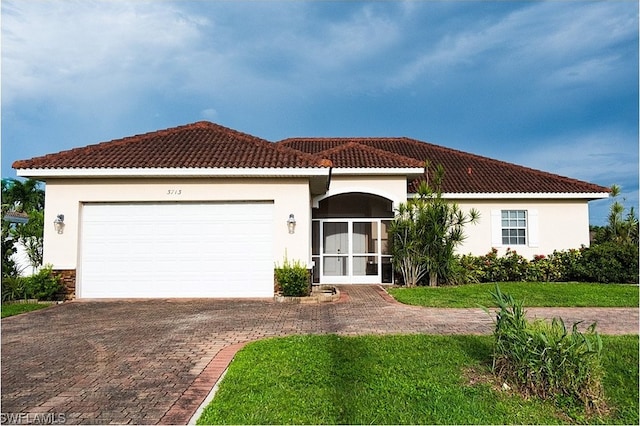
(533, 294)
(10, 309)
(416, 379)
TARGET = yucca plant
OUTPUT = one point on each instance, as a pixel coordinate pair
(544, 359)
(426, 231)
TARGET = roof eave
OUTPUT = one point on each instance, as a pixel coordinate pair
(410, 172)
(522, 195)
(172, 172)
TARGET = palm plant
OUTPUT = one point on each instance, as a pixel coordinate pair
(405, 244)
(22, 196)
(621, 228)
(426, 231)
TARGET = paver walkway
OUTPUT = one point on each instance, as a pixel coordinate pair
(154, 361)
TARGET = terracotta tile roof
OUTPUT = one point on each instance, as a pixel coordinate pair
(202, 144)
(208, 145)
(16, 217)
(355, 155)
(464, 172)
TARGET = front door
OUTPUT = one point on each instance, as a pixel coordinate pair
(352, 251)
(335, 249)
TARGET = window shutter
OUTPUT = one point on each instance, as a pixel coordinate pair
(496, 228)
(532, 219)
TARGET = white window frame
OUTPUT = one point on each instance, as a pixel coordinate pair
(531, 226)
(510, 221)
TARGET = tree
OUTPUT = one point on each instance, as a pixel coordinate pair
(620, 228)
(31, 236)
(405, 244)
(22, 196)
(27, 197)
(426, 231)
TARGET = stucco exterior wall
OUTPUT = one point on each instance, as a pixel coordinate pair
(393, 188)
(561, 225)
(66, 196)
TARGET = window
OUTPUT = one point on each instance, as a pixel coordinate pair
(514, 227)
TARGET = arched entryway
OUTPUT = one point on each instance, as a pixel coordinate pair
(349, 239)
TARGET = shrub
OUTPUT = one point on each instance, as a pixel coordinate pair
(514, 266)
(292, 279)
(540, 268)
(43, 286)
(566, 264)
(543, 359)
(465, 270)
(9, 267)
(609, 263)
(491, 267)
(604, 263)
(13, 288)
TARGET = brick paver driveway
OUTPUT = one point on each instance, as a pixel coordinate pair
(154, 361)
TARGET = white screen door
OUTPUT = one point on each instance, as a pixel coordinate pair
(350, 251)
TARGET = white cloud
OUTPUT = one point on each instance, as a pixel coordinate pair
(604, 156)
(87, 48)
(104, 49)
(294, 53)
(582, 72)
(365, 35)
(210, 114)
(566, 40)
(113, 52)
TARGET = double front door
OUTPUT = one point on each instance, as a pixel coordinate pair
(351, 251)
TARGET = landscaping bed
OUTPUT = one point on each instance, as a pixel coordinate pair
(319, 294)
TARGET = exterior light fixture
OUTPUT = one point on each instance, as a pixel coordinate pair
(59, 224)
(291, 224)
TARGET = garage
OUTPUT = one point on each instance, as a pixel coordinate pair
(151, 250)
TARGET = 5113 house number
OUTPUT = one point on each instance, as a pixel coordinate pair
(174, 191)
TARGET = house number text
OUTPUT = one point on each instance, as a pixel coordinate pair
(174, 191)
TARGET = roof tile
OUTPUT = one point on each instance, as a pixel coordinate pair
(208, 145)
(464, 172)
(355, 155)
(198, 145)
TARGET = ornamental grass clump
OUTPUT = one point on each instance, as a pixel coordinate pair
(543, 359)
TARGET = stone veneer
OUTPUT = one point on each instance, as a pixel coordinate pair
(68, 278)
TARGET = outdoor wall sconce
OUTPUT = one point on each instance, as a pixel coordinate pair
(291, 223)
(59, 224)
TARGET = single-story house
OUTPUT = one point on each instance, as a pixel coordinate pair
(202, 210)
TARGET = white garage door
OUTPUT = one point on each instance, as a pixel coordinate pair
(176, 250)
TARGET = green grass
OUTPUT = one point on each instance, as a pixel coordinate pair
(533, 294)
(620, 359)
(10, 309)
(416, 379)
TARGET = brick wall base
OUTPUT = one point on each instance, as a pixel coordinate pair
(68, 278)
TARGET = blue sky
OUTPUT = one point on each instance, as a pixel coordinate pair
(549, 85)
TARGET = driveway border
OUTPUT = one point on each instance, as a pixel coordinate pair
(189, 402)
